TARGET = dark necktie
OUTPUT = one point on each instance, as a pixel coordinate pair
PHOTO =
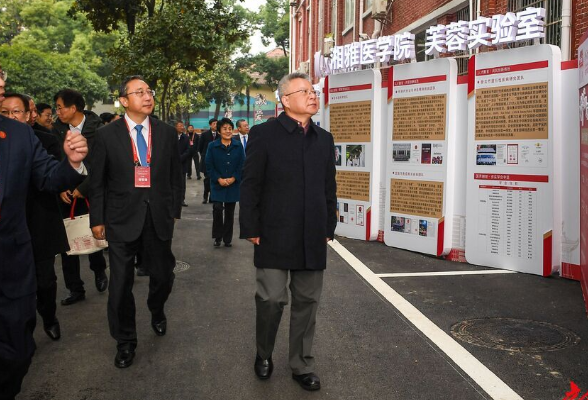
(244, 142)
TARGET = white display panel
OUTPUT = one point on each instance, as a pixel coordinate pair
(319, 117)
(352, 115)
(570, 182)
(514, 110)
(421, 157)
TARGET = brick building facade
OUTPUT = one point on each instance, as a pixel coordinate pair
(347, 21)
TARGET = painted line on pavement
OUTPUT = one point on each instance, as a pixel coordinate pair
(477, 371)
(445, 273)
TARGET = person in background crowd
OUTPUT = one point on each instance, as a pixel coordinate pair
(224, 163)
(243, 128)
(45, 117)
(185, 157)
(107, 117)
(205, 139)
(196, 154)
(23, 162)
(33, 114)
(44, 221)
(71, 116)
(136, 193)
(191, 135)
(288, 210)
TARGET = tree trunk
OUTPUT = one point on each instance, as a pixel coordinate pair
(217, 109)
(247, 91)
(164, 110)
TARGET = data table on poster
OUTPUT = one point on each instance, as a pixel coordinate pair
(421, 156)
(353, 118)
(511, 159)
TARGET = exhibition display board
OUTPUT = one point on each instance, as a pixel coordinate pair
(352, 115)
(319, 117)
(514, 111)
(583, 123)
(421, 156)
(569, 184)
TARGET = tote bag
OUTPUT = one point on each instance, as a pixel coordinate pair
(79, 235)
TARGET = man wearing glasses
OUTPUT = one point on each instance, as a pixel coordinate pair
(135, 195)
(71, 116)
(288, 211)
(23, 162)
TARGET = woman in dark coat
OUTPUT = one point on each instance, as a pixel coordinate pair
(224, 163)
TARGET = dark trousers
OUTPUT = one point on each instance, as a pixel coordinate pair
(222, 225)
(46, 289)
(206, 194)
(270, 298)
(121, 302)
(71, 269)
(17, 346)
(184, 186)
(196, 159)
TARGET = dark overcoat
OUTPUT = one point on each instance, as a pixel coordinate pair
(225, 162)
(289, 194)
(44, 218)
(185, 152)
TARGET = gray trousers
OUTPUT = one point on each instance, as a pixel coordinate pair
(270, 299)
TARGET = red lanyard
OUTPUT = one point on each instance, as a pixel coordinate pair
(135, 156)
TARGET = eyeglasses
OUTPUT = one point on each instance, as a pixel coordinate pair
(16, 113)
(307, 92)
(3, 75)
(141, 93)
(58, 108)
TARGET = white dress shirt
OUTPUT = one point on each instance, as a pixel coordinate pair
(144, 131)
(243, 138)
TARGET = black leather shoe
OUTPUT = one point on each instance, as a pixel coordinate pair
(53, 330)
(101, 281)
(189, 177)
(308, 381)
(204, 201)
(73, 298)
(198, 178)
(142, 271)
(159, 327)
(228, 245)
(217, 242)
(124, 358)
(263, 368)
(184, 204)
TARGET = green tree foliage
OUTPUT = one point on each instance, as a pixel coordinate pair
(62, 45)
(274, 18)
(41, 75)
(183, 36)
(273, 69)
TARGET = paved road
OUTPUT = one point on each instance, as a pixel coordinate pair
(365, 348)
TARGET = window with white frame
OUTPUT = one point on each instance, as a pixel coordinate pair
(553, 11)
(367, 5)
(349, 13)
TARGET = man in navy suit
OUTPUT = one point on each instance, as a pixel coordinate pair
(23, 161)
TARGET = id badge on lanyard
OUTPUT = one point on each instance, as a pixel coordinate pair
(142, 173)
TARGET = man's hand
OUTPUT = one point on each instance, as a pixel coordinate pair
(65, 196)
(98, 232)
(254, 240)
(77, 195)
(75, 147)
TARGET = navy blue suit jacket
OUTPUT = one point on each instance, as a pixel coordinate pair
(23, 161)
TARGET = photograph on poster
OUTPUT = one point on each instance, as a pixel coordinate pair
(423, 227)
(401, 152)
(512, 151)
(355, 156)
(338, 155)
(398, 224)
(437, 153)
(360, 213)
(426, 153)
(486, 154)
(415, 156)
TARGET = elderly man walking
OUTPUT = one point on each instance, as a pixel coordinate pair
(288, 211)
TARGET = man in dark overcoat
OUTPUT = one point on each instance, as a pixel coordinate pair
(23, 162)
(205, 139)
(288, 210)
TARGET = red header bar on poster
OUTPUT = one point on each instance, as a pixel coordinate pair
(419, 81)
(367, 86)
(512, 68)
(511, 177)
(525, 189)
